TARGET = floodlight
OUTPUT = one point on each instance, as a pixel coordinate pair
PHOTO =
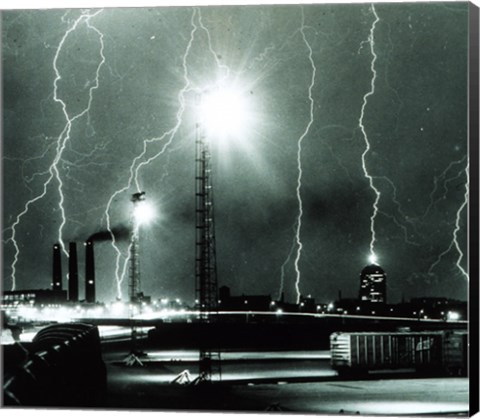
(143, 213)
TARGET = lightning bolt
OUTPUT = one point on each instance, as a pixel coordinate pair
(299, 161)
(165, 139)
(446, 180)
(457, 224)
(371, 42)
(284, 265)
(220, 66)
(70, 120)
(61, 142)
(137, 162)
(454, 243)
(27, 180)
(400, 211)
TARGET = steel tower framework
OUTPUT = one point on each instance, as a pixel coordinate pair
(134, 268)
(206, 288)
(134, 284)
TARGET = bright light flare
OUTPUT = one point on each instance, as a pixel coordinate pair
(453, 316)
(373, 259)
(225, 113)
(143, 213)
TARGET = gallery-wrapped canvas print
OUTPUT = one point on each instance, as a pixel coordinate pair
(241, 208)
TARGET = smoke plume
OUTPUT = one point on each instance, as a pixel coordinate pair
(121, 232)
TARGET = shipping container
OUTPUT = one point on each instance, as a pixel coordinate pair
(426, 351)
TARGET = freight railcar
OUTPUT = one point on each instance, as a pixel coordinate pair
(425, 351)
(455, 352)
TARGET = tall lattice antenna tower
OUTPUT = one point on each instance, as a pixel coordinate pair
(135, 283)
(206, 289)
(142, 214)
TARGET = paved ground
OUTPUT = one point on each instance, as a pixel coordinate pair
(284, 381)
(382, 397)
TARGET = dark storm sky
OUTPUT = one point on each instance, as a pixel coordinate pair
(416, 122)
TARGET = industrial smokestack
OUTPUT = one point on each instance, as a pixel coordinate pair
(89, 272)
(73, 273)
(57, 268)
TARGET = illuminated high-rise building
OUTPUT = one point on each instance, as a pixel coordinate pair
(373, 284)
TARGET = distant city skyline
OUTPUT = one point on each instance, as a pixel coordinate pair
(354, 142)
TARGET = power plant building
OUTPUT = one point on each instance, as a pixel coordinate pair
(373, 285)
(33, 298)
